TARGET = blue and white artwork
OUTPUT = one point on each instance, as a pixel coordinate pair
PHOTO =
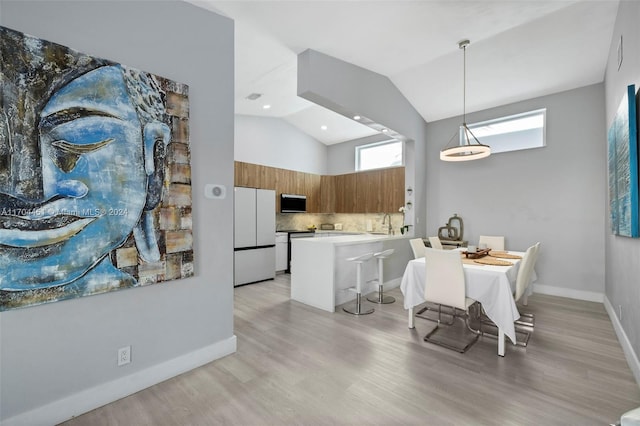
(95, 184)
(623, 168)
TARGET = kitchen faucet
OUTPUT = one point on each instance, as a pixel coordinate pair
(389, 229)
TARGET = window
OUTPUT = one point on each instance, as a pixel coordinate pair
(512, 133)
(378, 155)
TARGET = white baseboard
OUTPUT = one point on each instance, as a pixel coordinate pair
(369, 288)
(629, 353)
(92, 398)
(590, 296)
(393, 283)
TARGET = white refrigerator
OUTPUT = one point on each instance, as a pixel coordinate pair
(254, 235)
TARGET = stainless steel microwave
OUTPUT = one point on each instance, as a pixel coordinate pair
(291, 203)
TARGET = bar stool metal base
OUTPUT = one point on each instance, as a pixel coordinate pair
(357, 309)
(380, 298)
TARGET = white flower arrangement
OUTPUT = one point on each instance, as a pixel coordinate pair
(404, 228)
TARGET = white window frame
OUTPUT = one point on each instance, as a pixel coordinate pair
(361, 148)
(530, 137)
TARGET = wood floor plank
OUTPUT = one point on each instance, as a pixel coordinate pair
(297, 365)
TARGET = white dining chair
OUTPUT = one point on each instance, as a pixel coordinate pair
(435, 242)
(493, 242)
(417, 246)
(445, 285)
(528, 319)
(523, 280)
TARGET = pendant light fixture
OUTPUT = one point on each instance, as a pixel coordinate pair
(469, 148)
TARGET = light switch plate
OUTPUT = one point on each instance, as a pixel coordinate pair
(215, 191)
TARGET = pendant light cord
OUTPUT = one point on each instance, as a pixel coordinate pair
(464, 85)
(464, 150)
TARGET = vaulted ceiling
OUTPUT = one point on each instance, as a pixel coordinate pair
(520, 49)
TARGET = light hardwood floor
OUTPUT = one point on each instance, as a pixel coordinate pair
(297, 365)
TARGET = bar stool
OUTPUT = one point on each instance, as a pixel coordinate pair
(357, 308)
(380, 298)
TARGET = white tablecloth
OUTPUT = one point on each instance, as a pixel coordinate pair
(492, 286)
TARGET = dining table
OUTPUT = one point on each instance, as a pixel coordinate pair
(491, 285)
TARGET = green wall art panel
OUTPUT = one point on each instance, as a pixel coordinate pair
(623, 167)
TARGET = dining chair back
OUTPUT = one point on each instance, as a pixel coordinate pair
(445, 285)
(435, 242)
(528, 319)
(537, 246)
(526, 322)
(444, 278)
(523, 279)
(493, 242)
(417, 245)
(536, 253)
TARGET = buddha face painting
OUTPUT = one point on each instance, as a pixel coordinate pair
(82, 167)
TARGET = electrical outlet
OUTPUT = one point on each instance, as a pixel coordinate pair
(124, 356)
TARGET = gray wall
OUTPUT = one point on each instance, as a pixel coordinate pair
(555, 194)
(55, 351)
(276, 143)
(622, 286)
(349, 89)
(341, 157)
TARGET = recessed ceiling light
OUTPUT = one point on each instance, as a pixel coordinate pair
(267, 106)
(385, 130)
(356, 117)
(323, 127)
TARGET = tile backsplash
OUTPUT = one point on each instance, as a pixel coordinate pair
(353, 222)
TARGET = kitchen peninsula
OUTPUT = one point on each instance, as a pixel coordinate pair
(321, 275)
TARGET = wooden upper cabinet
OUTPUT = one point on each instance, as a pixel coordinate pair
(372, 191)
(369, 191)
(345, 188)
(392, 188)
(327, 194)
(380, 191)
(282, 181)
(267, 177)
(289, 181)
(299, 186)
(254, 175)
(312, 191)
(240, 175)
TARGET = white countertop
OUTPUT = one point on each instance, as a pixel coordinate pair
(352, 239)
(337, 231)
